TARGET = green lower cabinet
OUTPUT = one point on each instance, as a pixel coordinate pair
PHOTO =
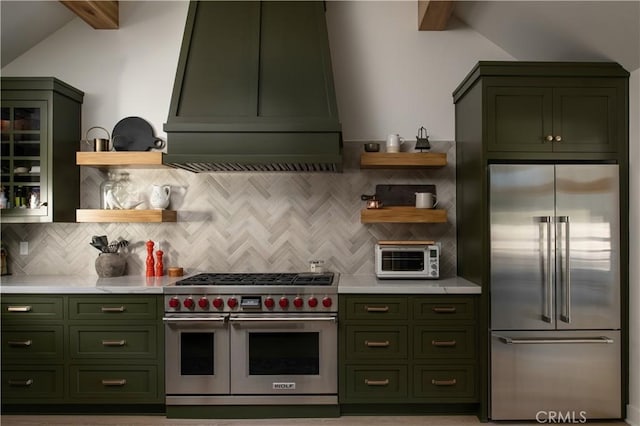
(445, 383)
(444, 342)
(376, 342)
(368, 383)
(113, 341)
(408, 354)
(70, 353)
(26, 384)
(32, 343)
(114, 383)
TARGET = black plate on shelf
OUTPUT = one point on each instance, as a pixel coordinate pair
(401, 195)
(134, 134)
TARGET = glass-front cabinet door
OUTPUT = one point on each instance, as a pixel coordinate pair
(24, 159)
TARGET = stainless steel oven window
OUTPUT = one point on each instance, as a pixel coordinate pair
(402, 260)
(196, 354)
(284, 353)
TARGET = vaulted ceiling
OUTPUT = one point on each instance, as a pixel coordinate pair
(527, 30)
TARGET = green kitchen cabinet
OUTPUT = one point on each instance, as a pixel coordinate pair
(81, 351)
(523, 118)
(33, 349)
(40, 135)
(545, 110)
(531, 112)
(408, 353)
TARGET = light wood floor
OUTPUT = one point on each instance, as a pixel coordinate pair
(65, 420)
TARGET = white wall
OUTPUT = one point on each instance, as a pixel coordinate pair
(633, 410)
(391, 78)
(126, 72)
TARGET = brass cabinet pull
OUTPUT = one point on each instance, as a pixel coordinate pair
(558, 138)
(112, 309)
(24, 383)
(443, 343)
(115, 382)
(450, 382)
(384, 382)
(548, 138)
(444, 309)
(19, 308)
(114, 342)
(376, 308)
(20, 343)
(384, 344)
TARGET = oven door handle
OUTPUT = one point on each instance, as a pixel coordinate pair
(282, 319)
(191, 320)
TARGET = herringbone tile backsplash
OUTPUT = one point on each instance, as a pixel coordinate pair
(245, 222)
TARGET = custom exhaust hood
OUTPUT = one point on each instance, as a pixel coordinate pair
(254, 90)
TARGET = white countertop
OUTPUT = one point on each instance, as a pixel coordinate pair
(359, 284)
(90, 284)
(135, 284)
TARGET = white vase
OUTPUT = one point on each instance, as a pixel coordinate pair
(160, 196)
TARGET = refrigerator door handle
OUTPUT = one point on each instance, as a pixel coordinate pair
(565, 275)
(547, 271)
(537, 341)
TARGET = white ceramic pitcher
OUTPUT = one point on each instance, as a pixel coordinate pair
(160, 195)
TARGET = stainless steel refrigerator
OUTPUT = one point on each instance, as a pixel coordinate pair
(555, 292)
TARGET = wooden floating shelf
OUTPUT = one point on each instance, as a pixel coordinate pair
(125, 159)
(402, 160)
(401, 214)
(150, 216)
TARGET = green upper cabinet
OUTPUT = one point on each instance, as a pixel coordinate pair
(549, 110)
(567, 119)
(39, 138)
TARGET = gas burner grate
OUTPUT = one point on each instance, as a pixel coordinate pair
(281, 279)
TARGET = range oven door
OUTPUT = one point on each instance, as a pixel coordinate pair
(197, 354)
(273, 354)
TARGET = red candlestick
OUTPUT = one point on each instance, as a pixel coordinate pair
(159, 265)
(150, 262)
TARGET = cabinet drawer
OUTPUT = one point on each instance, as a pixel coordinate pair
(376, 342)
(115, 341)
(113, 383)
(113, 307)
(444, 342)
(372, 383)
(445, 383)
(31, 382)
(444, 309)
(30, 308)
(32, 342)
(375, 308)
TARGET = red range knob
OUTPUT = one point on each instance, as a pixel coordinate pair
(174, 303)
(284, 302)
(232, 302)
(218, 303)
(326, 302)
(269, 303)
(313, 302)
(298, 302)
(189, 303)
(203, 303)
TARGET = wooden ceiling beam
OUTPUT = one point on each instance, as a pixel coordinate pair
(434, 15)
(101, 15)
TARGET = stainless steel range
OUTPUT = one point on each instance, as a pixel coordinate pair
(252, 339)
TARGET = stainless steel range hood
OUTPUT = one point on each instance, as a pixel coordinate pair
(254, 90)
